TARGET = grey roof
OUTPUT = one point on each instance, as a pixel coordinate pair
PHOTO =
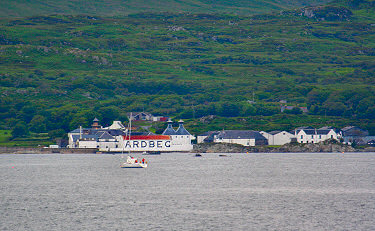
(104, 135)
(348, 128)
(96, 120)
(274, 132)
(115, 132)
(240, 134)
(211, 136)
(84, 130)
(169, 131)
(90, 131)
(354, 131)
(322, 132)
(309, 131)
(75, 131)
(304, 128)
(181, 130)
(84, 136)
(316, 131)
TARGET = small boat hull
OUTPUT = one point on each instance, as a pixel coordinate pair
(131, 166)
(126, 165)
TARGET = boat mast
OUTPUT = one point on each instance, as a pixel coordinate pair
(130, 128)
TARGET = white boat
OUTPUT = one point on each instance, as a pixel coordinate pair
(132, 162)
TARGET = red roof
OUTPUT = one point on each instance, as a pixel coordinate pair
(151, 137)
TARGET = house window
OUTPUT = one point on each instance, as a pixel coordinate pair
(312, 141)
(301, 137)
(331, 136)
(320, 136)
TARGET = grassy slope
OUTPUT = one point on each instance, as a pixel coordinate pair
(86, 63)
(17, 8)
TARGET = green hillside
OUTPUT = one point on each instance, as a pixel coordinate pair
(59, 72)
(21, 8)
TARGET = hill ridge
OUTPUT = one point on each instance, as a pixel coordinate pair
(19, 8)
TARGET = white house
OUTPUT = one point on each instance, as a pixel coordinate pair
(243, 137)
(278, 137)
(136, 116)
(312, 135)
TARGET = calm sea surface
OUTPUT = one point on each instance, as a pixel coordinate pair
(183, 192)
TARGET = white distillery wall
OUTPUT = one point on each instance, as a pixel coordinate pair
(150, 145)
(282, 138)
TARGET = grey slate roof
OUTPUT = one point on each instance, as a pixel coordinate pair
(115, 132)
(90, 131)
(84, 130)
(211, 136)
(316, 131)
(181, 130)
(84, 136)
(322, 132)
(347, 128)
(169, 131)
(354, 131)
(313, 131)
(240, 134)
(104, 135)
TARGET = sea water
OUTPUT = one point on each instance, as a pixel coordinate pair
(179, 191)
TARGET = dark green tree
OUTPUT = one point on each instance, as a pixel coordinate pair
(58, 133)
(20, 130)
(38, 124)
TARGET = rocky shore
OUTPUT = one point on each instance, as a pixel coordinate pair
(292, 148)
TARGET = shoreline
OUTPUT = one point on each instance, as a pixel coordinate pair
(287, 148)
(208, 148)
